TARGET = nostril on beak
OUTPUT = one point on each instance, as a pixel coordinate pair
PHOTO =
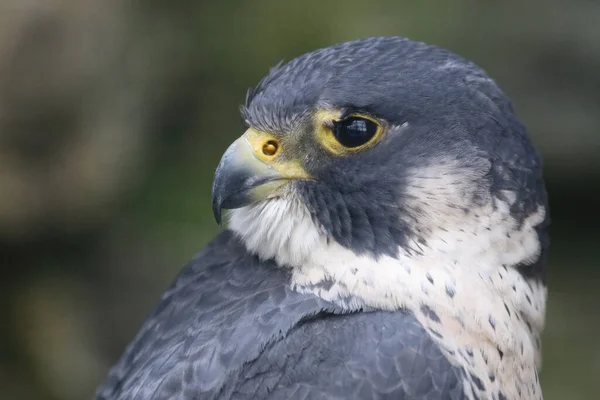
(270, 148)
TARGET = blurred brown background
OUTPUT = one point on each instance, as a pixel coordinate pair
(113, 116)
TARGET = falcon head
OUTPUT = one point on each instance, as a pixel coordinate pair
(390, 174)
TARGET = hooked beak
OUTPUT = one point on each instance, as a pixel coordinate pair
(242, 178)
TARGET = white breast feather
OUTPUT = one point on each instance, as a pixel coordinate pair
(464, 273)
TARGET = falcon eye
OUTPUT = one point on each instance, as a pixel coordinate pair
(354, 131)
(342, 133)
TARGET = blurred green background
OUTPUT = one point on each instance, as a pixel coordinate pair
(113, 116)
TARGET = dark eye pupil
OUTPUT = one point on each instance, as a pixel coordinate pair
(354, 132)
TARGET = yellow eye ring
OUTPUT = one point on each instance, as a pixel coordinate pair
(355, 132)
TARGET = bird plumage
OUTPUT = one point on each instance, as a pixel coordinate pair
(410, 266)
(231, 327)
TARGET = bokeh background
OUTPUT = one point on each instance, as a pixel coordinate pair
(114, 114)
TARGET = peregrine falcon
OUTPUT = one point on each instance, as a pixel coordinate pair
(386, 239)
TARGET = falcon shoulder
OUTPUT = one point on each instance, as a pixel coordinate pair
(231, 328)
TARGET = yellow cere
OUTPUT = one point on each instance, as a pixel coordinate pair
(268, 149)
(324, 119)
(264, 146)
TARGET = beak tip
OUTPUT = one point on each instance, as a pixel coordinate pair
(217, 212)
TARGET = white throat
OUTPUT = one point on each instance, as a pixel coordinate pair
(462, 283)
